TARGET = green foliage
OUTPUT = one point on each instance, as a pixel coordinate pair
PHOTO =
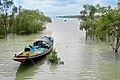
(20, 21)
(96, 21)
(118, 4)
(27, 22)
(105, 26)
(88, 19)
(53, 58)
(5, 7)
(30, 21)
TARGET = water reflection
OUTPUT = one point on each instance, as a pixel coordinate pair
(117, 55)
(27, 70)
(53, 67)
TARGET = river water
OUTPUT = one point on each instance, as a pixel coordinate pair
(82, 60)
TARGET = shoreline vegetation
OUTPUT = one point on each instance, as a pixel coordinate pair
(16, 20)
(101, 23)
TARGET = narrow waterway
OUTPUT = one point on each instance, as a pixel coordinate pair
(82, 60)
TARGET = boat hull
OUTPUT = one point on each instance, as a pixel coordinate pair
(29, 59)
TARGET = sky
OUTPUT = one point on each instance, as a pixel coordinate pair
(54, 8)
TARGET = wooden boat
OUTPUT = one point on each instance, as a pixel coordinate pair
(39, 49)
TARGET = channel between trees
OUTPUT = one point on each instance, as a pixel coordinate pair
(99, 22)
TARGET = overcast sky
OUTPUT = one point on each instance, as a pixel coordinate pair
(61, 7)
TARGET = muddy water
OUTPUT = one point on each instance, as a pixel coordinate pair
(82, 60)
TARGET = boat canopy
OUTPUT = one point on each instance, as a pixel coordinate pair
(44, 40)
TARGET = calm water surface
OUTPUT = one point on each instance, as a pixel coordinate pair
(82, 60)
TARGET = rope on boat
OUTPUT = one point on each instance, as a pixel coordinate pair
(33, 63)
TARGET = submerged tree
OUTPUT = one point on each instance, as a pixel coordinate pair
(5, 7)
(88, 19)
(102, 22)
(108, 27)
(30, 21)
(54, 59)
(20, 21)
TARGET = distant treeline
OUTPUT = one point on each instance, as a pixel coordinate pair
(16, 20)
(75, 16)
(69, 16)
(106, 26)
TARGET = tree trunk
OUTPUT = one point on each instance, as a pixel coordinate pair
(93, 38)
(108, 38)
(117, 45)
(86, 35)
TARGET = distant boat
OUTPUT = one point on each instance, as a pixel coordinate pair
(39, 49)
(65, 20)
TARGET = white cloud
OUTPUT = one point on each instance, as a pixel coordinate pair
(60, 7)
